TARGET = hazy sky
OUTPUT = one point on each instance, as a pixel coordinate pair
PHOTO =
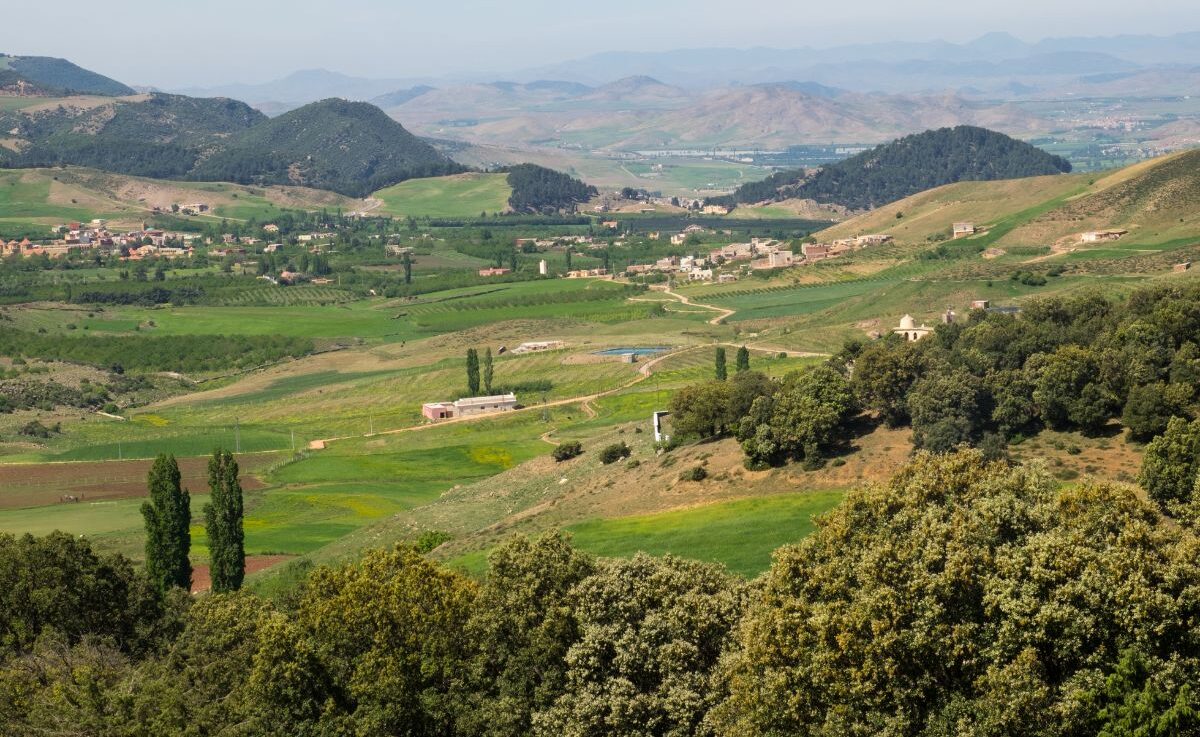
(171, 43)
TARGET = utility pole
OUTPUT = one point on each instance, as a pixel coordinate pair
(293, 441)
(237, 436)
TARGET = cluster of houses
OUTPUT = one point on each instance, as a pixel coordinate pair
(757, 254)
(560, 240)
(73, 237)
(190, 208)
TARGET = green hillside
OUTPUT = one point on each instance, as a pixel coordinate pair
(49, 75)
(33, 199)
(460, 195)
(905, 167)
(1153, 201)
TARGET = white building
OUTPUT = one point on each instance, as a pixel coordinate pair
(910, 330)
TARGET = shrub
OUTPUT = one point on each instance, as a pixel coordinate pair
(35, 429)
(695, 473)
(567, 451)
(431, 539)
(614, 453)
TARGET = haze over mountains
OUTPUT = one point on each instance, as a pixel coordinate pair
(1114, 99)
(892, 66)
(764, 98)
(993, 64)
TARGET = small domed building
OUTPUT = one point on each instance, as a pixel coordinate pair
(910, 330)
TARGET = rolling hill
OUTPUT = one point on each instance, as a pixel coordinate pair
(351, 148)
(905, 167)
(458, 196)
(1153, 201)
(348, 147)
(33, 199)
(46, 75)
(151, 135)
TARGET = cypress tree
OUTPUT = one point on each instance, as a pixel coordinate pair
(472, 372)
(721, 371)
(168, 515)
(488, 371)
(407, 268)
(743, 359)
(223, 519)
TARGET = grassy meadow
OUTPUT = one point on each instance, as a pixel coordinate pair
(461, 195)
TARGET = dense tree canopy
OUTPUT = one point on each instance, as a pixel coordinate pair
(964, 598)
(538, 189)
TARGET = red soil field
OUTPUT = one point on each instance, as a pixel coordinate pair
(42, 484)
(254, 563)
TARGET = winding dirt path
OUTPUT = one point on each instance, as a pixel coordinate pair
(718, 320)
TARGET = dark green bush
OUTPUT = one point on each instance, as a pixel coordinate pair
(614, 453)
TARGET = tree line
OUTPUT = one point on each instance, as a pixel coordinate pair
(536, 189)
(1066, 363)
(962, 597)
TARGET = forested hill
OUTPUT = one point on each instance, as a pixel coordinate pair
(538, 189)
(152, 135)
(48, 75)
(905, 167)
(349, 147)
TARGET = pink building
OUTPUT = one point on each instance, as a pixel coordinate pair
(438, 411)
(494, 272)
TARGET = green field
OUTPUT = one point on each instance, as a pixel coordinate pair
(740, 534)
(462, 195)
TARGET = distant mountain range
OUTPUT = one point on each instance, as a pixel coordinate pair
(887, 67)
(995, 65)
(641, 112)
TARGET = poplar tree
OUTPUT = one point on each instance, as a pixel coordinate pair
(223, 519)
(489, 371)
(168, 515)
(472, 372)
(721, 370)
(743, 359)
(407, 268)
